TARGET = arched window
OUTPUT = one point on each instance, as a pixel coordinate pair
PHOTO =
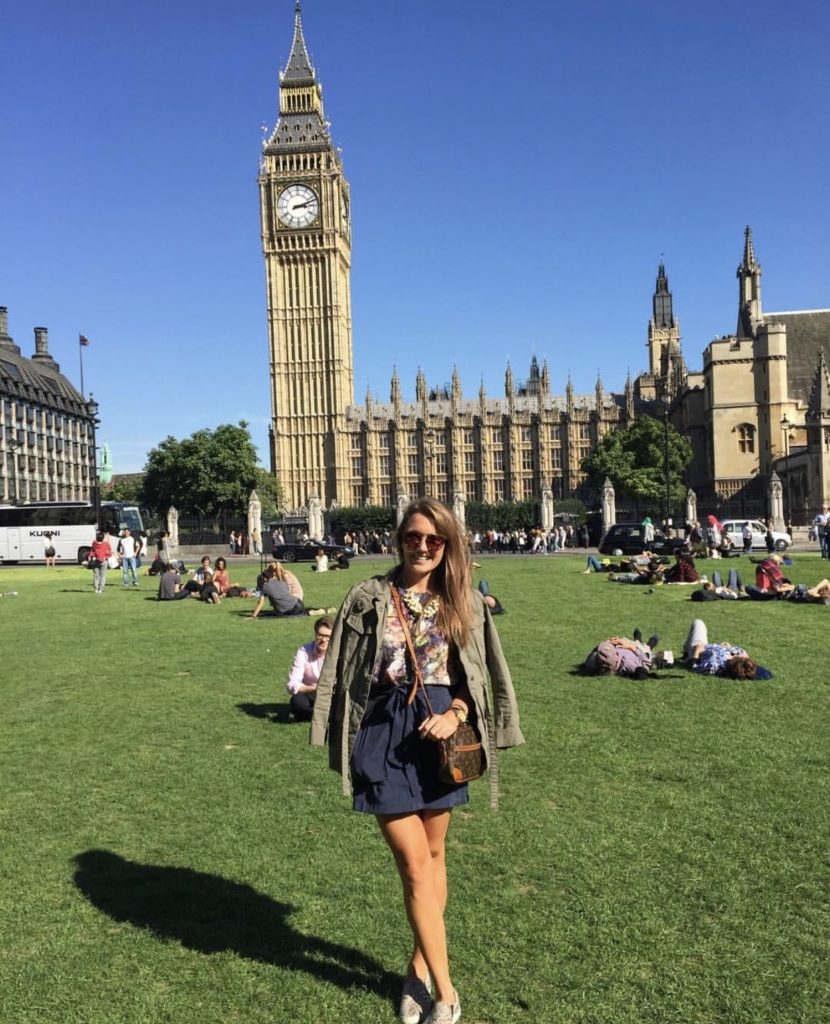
(746, 438)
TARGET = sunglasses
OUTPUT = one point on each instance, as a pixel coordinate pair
(412, 539)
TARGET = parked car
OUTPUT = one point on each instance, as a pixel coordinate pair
(307, 552)
(733, 528)
(627, 538)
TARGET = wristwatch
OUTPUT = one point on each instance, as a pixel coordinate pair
(459, 713)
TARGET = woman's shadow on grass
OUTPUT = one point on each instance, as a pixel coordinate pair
(211, 914)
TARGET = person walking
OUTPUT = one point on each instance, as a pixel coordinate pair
(99, 556)
(127, 549)
(384, 736)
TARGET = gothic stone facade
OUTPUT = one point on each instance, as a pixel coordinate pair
(322, 444)
(771, 371)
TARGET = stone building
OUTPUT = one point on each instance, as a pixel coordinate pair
(46, 432)
(324, 445)
(761, 403)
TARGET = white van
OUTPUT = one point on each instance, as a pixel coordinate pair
(734, 530)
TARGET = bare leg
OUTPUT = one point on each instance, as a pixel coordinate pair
(696, 640)
(417, 844)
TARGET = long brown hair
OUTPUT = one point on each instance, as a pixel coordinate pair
(451, 579)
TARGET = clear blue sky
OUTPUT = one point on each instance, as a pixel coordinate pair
(517, 170)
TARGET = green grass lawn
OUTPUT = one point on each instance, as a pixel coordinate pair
(174, 851)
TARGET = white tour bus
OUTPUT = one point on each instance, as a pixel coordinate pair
(24, 528)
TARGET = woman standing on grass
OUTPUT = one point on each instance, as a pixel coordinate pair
(386, 741)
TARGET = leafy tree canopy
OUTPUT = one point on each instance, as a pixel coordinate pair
(634, 460)
(127, 487)
(210, 471)
(367, 518)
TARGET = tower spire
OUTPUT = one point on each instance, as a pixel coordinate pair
(662, 301)
(749, 290)
(299, 67)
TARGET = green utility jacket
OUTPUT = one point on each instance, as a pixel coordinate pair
(350, 666)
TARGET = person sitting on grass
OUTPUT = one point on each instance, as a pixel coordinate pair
(619, 656)
(770, 582)
(275, 589)
(321, 561)
(305, 672)
(285, 575)
(683, 570)
(723, 659)
(221, 581)
(170, 587)
(490, 600)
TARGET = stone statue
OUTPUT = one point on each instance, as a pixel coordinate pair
(547, 509)
(609, 504)
(255, 521)
(691, 506)
(776, 502)
(403, 502)
(459, 507)
(315, 517)
(173, 527)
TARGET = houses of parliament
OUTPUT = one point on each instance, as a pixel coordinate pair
(760, 404)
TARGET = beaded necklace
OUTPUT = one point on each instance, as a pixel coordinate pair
(420, 609)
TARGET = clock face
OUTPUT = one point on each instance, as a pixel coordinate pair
(298, 206)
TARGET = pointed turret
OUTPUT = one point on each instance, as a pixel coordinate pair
(663, 331)
(420, 386)
(629, 398)
(569, 395)
(661, 302)
(395, 392)
(509, 387)
(545, 378)
(749, 290)
(301, 122)
(599, 394)
(456, 384)
(299, 67)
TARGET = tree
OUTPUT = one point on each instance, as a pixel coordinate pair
(211, 471)
(634, 460)
(127, 487)
(270, 493)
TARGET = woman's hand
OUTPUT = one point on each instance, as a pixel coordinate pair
(439, 727)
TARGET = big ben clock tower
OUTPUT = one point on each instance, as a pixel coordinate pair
(304, 210)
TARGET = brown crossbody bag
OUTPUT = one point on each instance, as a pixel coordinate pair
(461, 756)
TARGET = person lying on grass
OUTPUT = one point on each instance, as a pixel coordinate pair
(723, 659)
(619, 656)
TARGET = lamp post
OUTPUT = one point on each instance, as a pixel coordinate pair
(11, 461)
(92, 413)
(666, 403)
(785, 426)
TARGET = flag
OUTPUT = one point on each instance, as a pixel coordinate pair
(84, 340)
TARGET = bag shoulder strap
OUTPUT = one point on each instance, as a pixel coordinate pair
(416, 670)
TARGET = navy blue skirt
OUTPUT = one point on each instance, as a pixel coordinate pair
(393, 770)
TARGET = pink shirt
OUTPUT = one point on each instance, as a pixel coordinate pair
(308, 665)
